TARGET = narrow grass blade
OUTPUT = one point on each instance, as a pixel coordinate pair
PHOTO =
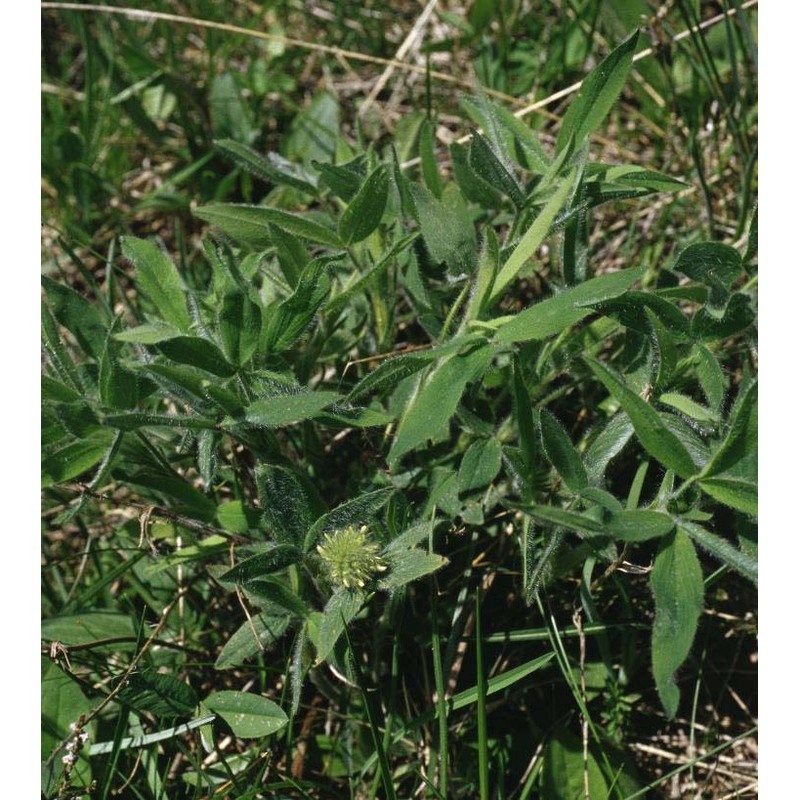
(481, 688)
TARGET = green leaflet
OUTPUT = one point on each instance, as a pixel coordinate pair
(557, 313)
(561, 453)
(742, 562)
(261, 564)
(285, 409)
(249, 716)
(409, 564)
(244, 643)
(343, 605)
(435, 401)
(285, 323)
(652, 432)
(737, 493)
(159, 278)
(742, 437)
(534, 236)
(365, 210)
(271, 168)
(446, 227)
(677, 584)
(250, 224)
(597, 94)
(566, 773)
(639, 524)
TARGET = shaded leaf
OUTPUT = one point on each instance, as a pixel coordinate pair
(711, 263)
(244, 644)
(272, 169)
(480, 465)
(272, 560)
(343, 605)
(287, 503)
(565, 774)
(358, 511)
(78, 316)
(639, 525)
(363, 214)
(89, 626)
(677, 584)
(239, 327)
(571, 520)
(160, 694)
(447, 229)
(197, 352)
(561, 453)
(488, 166)
(722, 549)
(286, 323)
(742, 437)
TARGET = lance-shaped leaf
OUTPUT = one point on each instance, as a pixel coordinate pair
(286, 323)
(742, 437)
(365, 210)
(597, 94)
(197, 352)
(273, 168)
(250, 224)
(488, 166)
(677, 584)
(639, 524)
(446, 226)
(157, 275)
(78, 316)
(571, 520)
(561, 453)
(288, 503)
(239, 326)
(737, 493)
(286, 409)
(272, 560)
(435, 401)
(480, 465)
(358, 511)
(408, 565)
(531, 240)
(557, 313)
(253, 636)
(721, 549)
(343, 605)
(654, 435)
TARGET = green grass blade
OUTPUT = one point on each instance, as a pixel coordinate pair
(481, 690)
